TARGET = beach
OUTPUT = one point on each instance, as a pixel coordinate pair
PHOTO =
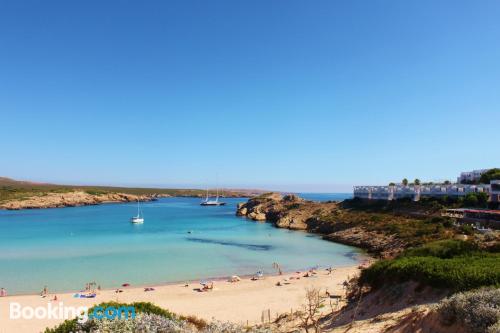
(240, 302)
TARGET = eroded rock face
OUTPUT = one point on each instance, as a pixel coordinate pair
(71, 199)
(289, 211)
(326, 218)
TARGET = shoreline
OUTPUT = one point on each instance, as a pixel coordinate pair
(101, 203)
(247, 299)
(82, 199)
(361, 258)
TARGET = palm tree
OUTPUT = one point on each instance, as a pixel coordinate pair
(416, 181)
(404, 182)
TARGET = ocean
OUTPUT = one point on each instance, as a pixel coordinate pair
(65, 248)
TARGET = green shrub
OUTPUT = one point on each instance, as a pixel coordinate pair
(458, 273)
(70, 326)
(140, 307)
(453, 264)
(467, 229)
(442, 249)
(478, 310)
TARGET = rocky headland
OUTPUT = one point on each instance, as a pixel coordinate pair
(385, 234)
(72, 199)
(17, 194)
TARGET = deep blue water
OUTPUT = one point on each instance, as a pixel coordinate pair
(64, 248)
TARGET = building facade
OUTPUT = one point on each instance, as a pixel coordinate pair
(415, 192)
(473, 176)
(495, 190)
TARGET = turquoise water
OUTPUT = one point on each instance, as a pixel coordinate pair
(64, 248)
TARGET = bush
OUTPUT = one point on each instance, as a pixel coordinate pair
(150, 318)
(467, 229)
(452, 264)
(458, 274)
(478, 310)
(140, 307)
(442, 249)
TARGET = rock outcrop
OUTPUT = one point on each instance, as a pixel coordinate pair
(73, 198)
(326, 218)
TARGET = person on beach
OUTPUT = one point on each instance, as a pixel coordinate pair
(3, 292)
(44, 292)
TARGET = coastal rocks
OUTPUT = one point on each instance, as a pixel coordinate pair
(257, 216)
(257, 208)
(291, 222)
(283, 211)
(71, 199)
(387, 246)
(326, 218)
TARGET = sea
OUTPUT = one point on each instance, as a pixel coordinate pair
(65, 248)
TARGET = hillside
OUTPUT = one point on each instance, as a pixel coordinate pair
(385, 233)
(427, 280)
(15, 194)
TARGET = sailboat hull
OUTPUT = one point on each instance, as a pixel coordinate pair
(212, 203)
(137, 220)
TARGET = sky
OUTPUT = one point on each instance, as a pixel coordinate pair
(312, 96)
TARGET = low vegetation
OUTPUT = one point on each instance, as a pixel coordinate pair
(151, 318)
(451, 264)
(488, 176)
(425, 206)
(19, 190)
(410, 231)
(478, 310)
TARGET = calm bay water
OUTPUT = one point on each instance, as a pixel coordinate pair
(64, 248)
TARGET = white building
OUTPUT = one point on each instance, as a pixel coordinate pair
(470, 176)
(495, 190)
(415, 192)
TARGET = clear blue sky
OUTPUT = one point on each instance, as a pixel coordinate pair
(291, 95)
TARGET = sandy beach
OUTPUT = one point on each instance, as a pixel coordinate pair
(237, 302)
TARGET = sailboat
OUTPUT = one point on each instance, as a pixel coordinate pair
(137, 219)
(216, 202)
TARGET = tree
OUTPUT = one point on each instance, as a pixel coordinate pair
(488, 176)
(405, 182)
(312, 310)
(392, 184)
(482, 199)
(447, 182)
(471, 200)
(417, 181)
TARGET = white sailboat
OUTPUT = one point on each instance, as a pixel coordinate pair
(137, 219)
(216, 202)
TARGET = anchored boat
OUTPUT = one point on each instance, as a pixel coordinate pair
(139, 219)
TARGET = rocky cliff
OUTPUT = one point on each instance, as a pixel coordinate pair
(377, 233)
(71, 199)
